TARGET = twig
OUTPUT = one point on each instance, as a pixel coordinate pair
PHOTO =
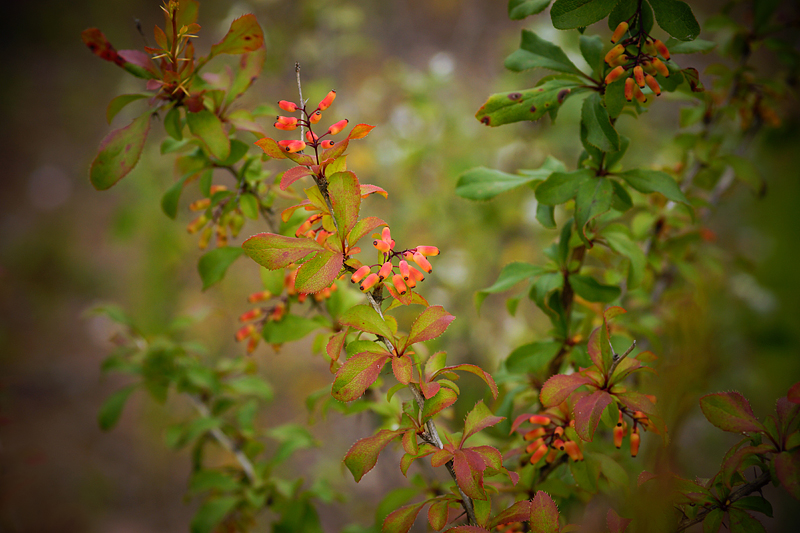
(225, 441)
(738, 494)
(300, 90)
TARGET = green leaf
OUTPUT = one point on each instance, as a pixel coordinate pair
(249, 205)
(401, 520)
(319, 272)
(357, 374)
(742, 522)
(519, 9)
(363, 455)
(117, 104)
(250, 386)
(485, 183)
(592, 52)
(787, 468)
(614, 99)
(730, 411)
(600, 132)
(213, 265)
(172, 123)
(625, 9)
(276, 251)
(478, 419)
(544, 514)
(511, 274)
(345, 195)
(119, 153)
(591, 290)
(205, 480)
(545, 214)
(431, 323)
(207, 127)
(754, 503)
(713, 521)
(618, 240)
(365, 318)
(440, 401)
(472, 369)
(648, 181)
(530, 104)
(169, 202)
(238, 151)
(532, 358)
(244, 35)
(211, 513)
(593, 199)
(676, 18)
(290, 328)
(570, 14)
(746, 171)
(561, 187)
(535, 52)
(690, 47)
(111, 409)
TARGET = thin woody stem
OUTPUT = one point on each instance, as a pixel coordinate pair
(738, 494)
(302, 103)
(226, 441)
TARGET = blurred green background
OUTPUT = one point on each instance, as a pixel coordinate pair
(416, 69)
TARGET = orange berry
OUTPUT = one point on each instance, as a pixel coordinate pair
(339, 126)
(662, 48)
(559, 431)
(288, 106)
(619, 434)
(539, 419)
(244, 332)
(327, 101)
(558, 444)
(259, 296)
(252, 314)
(534, 445)
(381, 245)
(629, 83)
(302, 297)
(315, 117)
(639, 95)
(311, 136)
(428, 250)
(252, 344)
(534, 434)
(277, 312)
(422, 262)
(385, 270)
(404, 271)
(415, 274)
(386, 234)
(622, 27)
(653, 84)
(199, 205)
(660, 67)
(370, 282)
(196, 224)
(326, 144)
(551, 456)
(360, 274)
(573, 451)
(397, 281)
(292, 146)
(614, 53)
(537, 456)
(614, 75)
(635, 440)
(638, 73)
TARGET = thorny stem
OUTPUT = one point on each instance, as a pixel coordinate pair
(618, 359)
(226, 441)
(302, 103)
(738, 494)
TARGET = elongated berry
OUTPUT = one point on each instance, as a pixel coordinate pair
(415, 274)
(244, 332)
(639, 95)
(397, 281)
(558, 444)
(422, 262)
(662, 48)
(381, 245)
(573, 451)
(653, 84)
(311, 136)
(629, 84)
(360, 274)
(259, 296)
(622, 27)
(404, 269)
(196, 224)
(251, 315)
(660, 67)
(315, 117)
(284, 126)
(538, 454)
(533, 446)
(327, 101)
(558, 431)
(551, 456)
(252, 344)
(428, 250)
(385, 270)
(205, 237)
(638, 73)
(635, 440)
(337, 127)
(614, 75)
(619, 434)
(199, 205)
(286, 120)
(386, 234)
(288, 106)
(370, 282)
(326, 144)
(292, 146)
(534, 433)
(539, 419)
(277, 312)
(614, 53)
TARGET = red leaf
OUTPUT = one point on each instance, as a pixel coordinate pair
(139, 59)
(636, 401)
(587, 413)
(119, 153)
(616, 524)
(644, 477)
(733, 463)
(595, 352)
(292, 175)
(544, 514)
(469, 479)
(518, 422)
(367, 189)
(493, 459)
(431, 323)
(467, 529)
(364, 453)
(441, 457)
(730, 411)
(276, 251)
(401, 520)
(787, 466)
(319, 272)
(558, 388)
(365, 318)
(334, 151)
(402, 368)
(244, 35)
(794, 393)
(360, 131)
(335, 345)
(519, 512)
(429, 388)
(479, 418)
(473, 369)
(363, 227)
(357, 374)
(99, 45)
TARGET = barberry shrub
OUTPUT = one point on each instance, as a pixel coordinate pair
(557, 413)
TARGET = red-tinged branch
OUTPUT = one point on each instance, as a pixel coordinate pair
(738, 494)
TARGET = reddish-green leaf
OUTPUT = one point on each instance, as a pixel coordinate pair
(365, 318)
(335, 345)
(713, 520)
(360, 131)
(431, 323)
(787, 466)
(401, 520)
(636, 401)
(730, 411)
(429, 388)
(402, 368)
(467, 529)
(479, 418)
(138, 63)
(473, 369)
(742, 522)
(733, 463)
(345, 199)
(367, 189)
(519, 512)
(292, 175)
(119, 153)
(207, 127)
(357, 374)
(408, 459)
(558, 388)
(494, 459)
(440, 457)
(276, 251)
(544, 514)
(794, 393)
(587, 413)
(99, 45)
(437, 513)
(319, 272)
(644, 477)
(615, 523)
(363, 227)
(364, 454)
(244, 35)
(271, 148)
(469, 474)
(441, 400)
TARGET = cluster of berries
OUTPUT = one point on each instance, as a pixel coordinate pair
(549, 439)
(222, 221)
(408, 277)
(258, 316)
(307, 120)
(641, 66)
(511, 527)
(621, 429)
